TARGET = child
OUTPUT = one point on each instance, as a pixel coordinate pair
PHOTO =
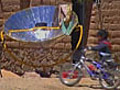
(104, 47)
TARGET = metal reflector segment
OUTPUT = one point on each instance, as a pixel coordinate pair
(30, 18)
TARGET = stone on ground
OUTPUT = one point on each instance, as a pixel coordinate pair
(6, 73)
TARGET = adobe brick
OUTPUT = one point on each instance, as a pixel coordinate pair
(107, 1)
(105, 6)
(10, 5)
(105, 26)
(92, 33)
(106, 20)
(116, 47)
(0, 8)
(11, 1)
(59, 45)
(93, 19)
(48, 2)
(114, 20)
(68, 46)
(94, 7)
(115, 5)
(6, 15)
(105, 13)
(53, 2)
(92, 40)
(36, 2)
(67, 39)
(1, 22)
(119, 12)
(1, 15)
(94, 12)
(93, 26)
(116, 40)
(114, 34)
(1, 28)
(114, 12)
(114, 27)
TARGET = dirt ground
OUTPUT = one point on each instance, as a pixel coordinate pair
(32, 81)
(43, 84)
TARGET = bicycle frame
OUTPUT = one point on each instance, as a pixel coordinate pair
(73, 74)
(82, 63)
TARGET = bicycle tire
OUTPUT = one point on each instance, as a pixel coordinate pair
(112, 83)
(67, 69)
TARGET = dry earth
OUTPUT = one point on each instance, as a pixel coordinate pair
(41, 84)
(31, 81)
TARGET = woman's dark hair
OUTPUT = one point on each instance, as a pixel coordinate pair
(103, 34)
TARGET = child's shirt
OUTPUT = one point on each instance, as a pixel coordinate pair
(104, 48)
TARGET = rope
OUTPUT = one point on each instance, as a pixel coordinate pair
(37, 66)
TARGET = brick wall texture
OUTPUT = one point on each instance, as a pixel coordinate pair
(110, 12)
(54, 51)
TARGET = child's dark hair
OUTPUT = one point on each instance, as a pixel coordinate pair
(103, 33)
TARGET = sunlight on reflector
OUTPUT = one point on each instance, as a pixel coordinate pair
(42, 34)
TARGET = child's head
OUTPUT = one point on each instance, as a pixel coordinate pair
(102, 35)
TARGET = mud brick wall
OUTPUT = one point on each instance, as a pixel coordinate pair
(35, 54)
(110, 10)
(48, 2)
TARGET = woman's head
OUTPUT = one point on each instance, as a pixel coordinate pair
(102, 34)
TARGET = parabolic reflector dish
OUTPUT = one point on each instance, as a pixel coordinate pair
(23, 25)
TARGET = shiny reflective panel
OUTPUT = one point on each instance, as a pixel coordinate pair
(27, 19)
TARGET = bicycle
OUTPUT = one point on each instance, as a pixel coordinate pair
(108, 76)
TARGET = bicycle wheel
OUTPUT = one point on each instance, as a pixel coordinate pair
(109, 80)
(69, 75)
